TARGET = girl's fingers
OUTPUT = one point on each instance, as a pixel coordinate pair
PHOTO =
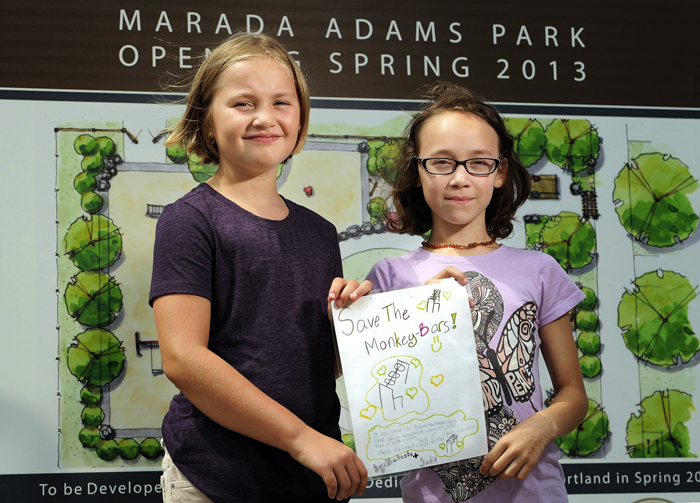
(448, 272)
(343, 290)
(362, 471)
(336, 288)
(364, 288)
(347, 293)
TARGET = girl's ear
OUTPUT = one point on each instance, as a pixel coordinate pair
(501, 174)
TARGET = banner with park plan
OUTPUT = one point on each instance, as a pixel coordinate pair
(412, 377)
(605, 117)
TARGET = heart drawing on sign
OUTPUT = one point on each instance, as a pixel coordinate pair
(460, 443)
(422, 305)
(437, 380)
(447, 295)
(415, 362)
(369, 412)
(412, 392)
(382, 370)
(442, 446)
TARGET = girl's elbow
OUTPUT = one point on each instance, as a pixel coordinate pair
(175, 368)
(582, 406)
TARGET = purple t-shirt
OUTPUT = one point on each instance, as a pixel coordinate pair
(268, 283)
(516, 292)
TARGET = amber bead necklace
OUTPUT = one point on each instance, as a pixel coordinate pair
(458, 247)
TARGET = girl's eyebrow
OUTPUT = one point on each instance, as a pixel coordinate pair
(285, 94)
(472, 153)
(481, 151)
(250, 95)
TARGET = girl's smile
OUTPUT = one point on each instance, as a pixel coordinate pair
(263, 138)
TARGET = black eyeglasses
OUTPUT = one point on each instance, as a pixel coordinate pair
(480, 166)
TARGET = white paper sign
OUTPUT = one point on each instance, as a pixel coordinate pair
(412, 377)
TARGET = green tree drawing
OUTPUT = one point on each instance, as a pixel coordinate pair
(200, 172)
(572, 144)
(177, 153)
(651, 198)
(96, 357)
(383, 155)
(566, 237)
(529, 139)
(654, 320)
(658, 431)
(588, 436)
(93, 242)
(377, 209)
(151, 448)
(591, 365)
(93, 298)
(588, 343)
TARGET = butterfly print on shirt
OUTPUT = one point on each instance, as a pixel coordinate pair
(505, 373)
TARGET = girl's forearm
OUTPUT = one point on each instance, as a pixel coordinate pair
(567, 411)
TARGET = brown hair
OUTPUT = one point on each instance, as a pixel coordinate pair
(192, 130)
(413, 213)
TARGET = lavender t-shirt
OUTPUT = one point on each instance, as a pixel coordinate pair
(516, 292)
(268, 282)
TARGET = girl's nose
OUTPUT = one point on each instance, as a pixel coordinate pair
(460, 177)
(263, 118)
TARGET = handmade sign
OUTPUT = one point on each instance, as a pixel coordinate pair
(412, 377)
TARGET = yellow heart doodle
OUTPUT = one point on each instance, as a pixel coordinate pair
(437, 380)
(412, 392)
(447, 295)
(460, 443)
(422, 305)
(382, 370)
(369, 412)
(442, 446)
(415, 362)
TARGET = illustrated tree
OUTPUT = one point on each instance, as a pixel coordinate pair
(590, 435)
(377, 209)
(566, 237)
(200, 172)
(529, 138)
(651, 198)
(95, 358)
(659, 430)
(177, 153)
(653, 317)
(93, 242)
(572, 144)
(382, 158)
(93, 298)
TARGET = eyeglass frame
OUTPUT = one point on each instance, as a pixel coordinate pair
(421, 162)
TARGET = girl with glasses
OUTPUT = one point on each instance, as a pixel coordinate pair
(459, 179)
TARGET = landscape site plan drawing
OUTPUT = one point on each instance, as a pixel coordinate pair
(615, 201)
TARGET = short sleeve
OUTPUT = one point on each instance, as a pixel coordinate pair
(559, 294)
(183, 254)
(380, 277)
